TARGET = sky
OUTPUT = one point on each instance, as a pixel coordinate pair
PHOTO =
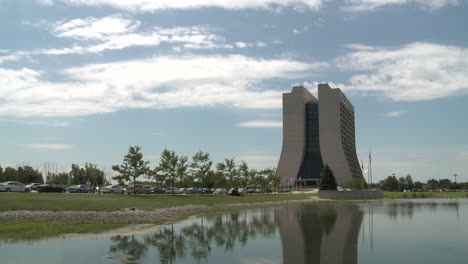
(83, 80)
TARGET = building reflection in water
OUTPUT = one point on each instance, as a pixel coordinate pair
(320, 233)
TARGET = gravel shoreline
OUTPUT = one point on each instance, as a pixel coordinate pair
(131, 215)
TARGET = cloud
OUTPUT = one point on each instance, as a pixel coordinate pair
(262, 124)
(141, 6)
(300, 30)
(241, 44)
(417, 71)
(95, 28)
(159, 82)
(116, 32)
(49, 146)
(55, 123)
(371, 5)
(395, 113)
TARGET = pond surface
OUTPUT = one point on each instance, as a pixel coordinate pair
(406, 231)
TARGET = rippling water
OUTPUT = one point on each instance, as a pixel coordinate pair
(409, 231)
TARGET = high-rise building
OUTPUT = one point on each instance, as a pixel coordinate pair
(315, 133)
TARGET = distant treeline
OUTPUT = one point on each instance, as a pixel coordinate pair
(199, 171)
(172, 170)
(392, 183)
(28, 174)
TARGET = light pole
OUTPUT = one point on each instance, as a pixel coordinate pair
(455, 175)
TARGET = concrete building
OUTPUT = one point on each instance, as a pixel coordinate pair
(317, 132)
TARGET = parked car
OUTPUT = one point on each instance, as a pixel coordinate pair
(80, 188)
(207, 191)
(220, 191)
(236, 191)
(156, 190)
(173, 190)
(140, 189)
(13, 186)
(49, 188)
(191, 191)
(32, 186)
(112, 189)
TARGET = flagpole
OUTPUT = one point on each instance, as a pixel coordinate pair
(362, 171)
(370, 166)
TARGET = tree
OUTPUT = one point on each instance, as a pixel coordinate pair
(356, 184)
(62, 178)
(418, 185)
(409, 185)
(200, 168)
(169, 168)
(228, 171)
(10, 174)
(390, 183)
(77, 175)
(433, 184)
(94, 175)
(327, 179)
(133, 166)
(28, 174)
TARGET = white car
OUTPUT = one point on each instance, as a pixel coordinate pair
(13, 186)
(112, 189)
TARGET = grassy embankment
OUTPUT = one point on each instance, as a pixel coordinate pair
(415, 195)
(29, 230)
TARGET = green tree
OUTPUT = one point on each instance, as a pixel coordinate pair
(10, 174)
(445, 183)
(133, 166)
(168, 168)
(409, 185)
(245, 175)
(418, 185)
(356, 184)
(77, 175)
(229, 171)
(390, 183)
(327, 179)
(200, 168)
(1, 174)
(61, 178)
(433, 184)
(94, 174)
(28, 174)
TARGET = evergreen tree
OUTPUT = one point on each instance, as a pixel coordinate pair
(327, 179)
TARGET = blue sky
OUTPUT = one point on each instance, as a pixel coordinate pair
(82, 80)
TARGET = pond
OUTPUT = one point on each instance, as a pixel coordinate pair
(404, 231)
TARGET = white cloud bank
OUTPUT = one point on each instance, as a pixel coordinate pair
(395, 113)
(116, 32)
(262, 124)
(160, 82)
(152, 6)
(49, 146)
(371, 5)
(417, 71)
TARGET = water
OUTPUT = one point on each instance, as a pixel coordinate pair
(409, 231)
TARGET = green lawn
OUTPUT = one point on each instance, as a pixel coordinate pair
(402, 195)
(33, 230)
(94, 202)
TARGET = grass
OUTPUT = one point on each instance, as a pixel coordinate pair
(413, 195)
(94, 202)
(11, 231)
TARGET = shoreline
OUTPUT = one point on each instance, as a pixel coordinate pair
(136, 216)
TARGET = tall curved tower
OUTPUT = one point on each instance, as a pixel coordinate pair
(317, 132)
